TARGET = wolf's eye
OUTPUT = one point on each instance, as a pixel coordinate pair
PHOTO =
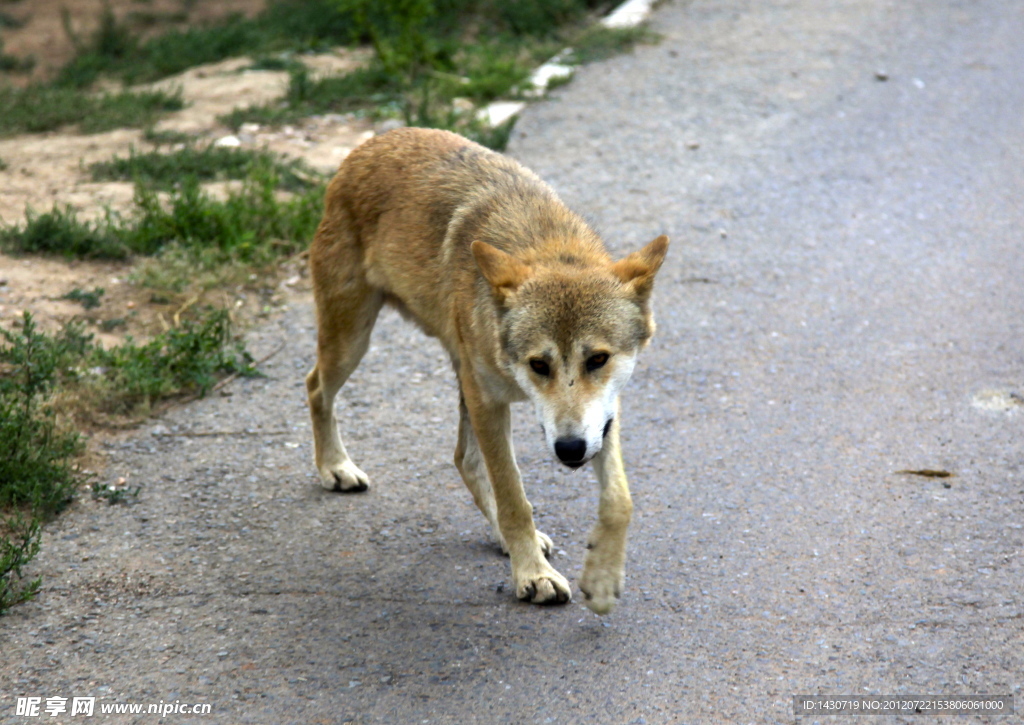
(596, 361)
(540, 367)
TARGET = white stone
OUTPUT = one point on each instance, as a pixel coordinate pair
(500, 111)
(629, 14)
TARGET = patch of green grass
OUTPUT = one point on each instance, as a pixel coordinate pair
(39, 108)
(277, 62)
(253, 225)
(598, 42)
(149, 18)
(3, 165)
(18, 546)
(111, 40)
(39, 372)
(88, 300)
(37, 478)
(113, 323)
(376, 93)
(35, 456)
(60, 231)
(495, 68)
(12, 63)
(9, 21)
(166, 138)
(128, 110)
(365, 89)
(430, 52)
(114, 50)
(187, 359)
(206, 163)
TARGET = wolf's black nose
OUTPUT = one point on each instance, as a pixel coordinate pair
(571, 451)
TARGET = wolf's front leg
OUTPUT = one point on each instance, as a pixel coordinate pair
(470, 463)
(535, 579)
(605, 566)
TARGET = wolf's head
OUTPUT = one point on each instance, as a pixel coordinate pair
(570, 332)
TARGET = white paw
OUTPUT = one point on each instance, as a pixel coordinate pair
(543, 541)
(543, 587)
(546, 545)
(601, 586)
(346, 477)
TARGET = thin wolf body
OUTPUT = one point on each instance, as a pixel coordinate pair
(481, 254)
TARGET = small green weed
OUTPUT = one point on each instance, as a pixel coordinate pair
(114, 495)
(113, 324)
(206, 163)
(38, 108)
(18, 546)
(60, 231)
(88, 300)
(166, 138)
(598, 42)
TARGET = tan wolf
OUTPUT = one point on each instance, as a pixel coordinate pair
(482, 255)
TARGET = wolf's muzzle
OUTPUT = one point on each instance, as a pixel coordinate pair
(571, 451)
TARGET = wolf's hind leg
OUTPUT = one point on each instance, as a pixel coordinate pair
(345, 321)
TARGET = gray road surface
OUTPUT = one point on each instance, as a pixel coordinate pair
(843, 301)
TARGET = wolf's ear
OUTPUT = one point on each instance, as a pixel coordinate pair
(638, 269)
(503, 271)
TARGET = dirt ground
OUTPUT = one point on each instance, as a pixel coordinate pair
(41, 32)
(41, 170)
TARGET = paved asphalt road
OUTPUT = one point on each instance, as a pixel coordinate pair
(843, 301)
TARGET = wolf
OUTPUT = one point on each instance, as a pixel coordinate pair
(481, 254)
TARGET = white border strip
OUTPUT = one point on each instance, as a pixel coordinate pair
(628, 15)
(498, 112)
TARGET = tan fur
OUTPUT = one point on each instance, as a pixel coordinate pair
(481, 254)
